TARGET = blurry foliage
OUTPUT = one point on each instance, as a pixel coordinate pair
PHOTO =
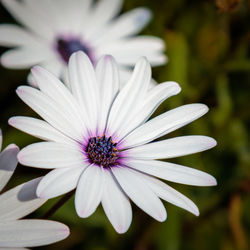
(209, 56)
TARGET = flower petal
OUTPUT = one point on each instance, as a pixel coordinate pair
(126, 25)
(172, 172)
(108, 84)
(50, 111)
(51, 155)
(89, 191)
(8, 163)
(20, 201)
(59, 181)
(170, 195)
(83, 84)
(31, 233)
(116, 204)
(130, 97)
(38, 128)
(154, 98)
(25, 57)
(139, 192)
(13, 35)
(170, 148)
(165, 123)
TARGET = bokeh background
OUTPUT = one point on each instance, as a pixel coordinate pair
(208, 45)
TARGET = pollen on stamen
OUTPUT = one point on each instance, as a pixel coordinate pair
(102, 151)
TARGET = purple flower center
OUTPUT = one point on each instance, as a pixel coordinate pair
(66, 47)
(102, 151)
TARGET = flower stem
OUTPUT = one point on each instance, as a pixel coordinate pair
(57, 205)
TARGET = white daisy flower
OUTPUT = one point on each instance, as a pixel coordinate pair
(19, 202)
(98, 140)
(54, 29)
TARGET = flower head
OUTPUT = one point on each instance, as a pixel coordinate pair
(19, 202)
(99, 140)
(55, 29)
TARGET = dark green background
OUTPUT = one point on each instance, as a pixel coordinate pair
(208, 48)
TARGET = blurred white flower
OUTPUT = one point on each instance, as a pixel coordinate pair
(19, 202)
(54, 29)
(100, 142)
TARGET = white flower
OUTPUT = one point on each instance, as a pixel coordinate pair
(98, 140)
(54, 29)
(19, 202)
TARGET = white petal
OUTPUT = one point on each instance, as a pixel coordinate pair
(171, 195)
(59, 181)
(126, 25)
(1, 139)
(84, 85)
(170, 148)
(129, 98)
(51, 155)
(139, 192)
(13, 35)
(116, 204)
(172, 172)
(108, 84)
(20, 201)
(31, 233)
(89, 191)
(8, 163)
(165, 123)
(50, 111)
(33, 19)
(155, 97)
(38, 128)
(25, 57)
(50, 85)
(102, 12)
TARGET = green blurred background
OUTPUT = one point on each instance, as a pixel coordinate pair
(208, 45)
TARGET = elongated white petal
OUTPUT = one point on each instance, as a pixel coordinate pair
(59, 181)
(172, 172)
(170, 148)
(20, 201)
(31, 233)
(171, 195)
(155, 97)
(126, 25)
(55, 89)
(84, 85)
(13, 35)
(50, 111)
(136, 45)
(108, 84)
(25, 57)
(116, 204)
(51, 155)
(130, 97)
(38, 128)
(29, 17)
(165, 123)
(1, 139)
(89, 191)
(102, 12)
(8, 163)
(139, 192)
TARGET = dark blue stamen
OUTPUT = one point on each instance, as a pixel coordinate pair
(67, 47)
(102, 151)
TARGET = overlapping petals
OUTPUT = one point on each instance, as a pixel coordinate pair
(94, 105)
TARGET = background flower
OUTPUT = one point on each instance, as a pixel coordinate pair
(19, 202)
(53, 30)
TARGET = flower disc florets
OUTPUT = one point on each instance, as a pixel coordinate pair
(102, 151)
